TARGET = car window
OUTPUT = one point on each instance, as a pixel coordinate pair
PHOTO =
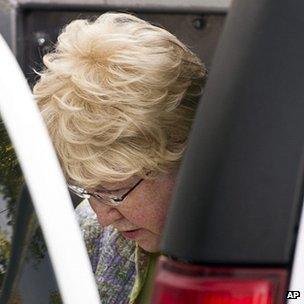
(24, 258)
(10, 185)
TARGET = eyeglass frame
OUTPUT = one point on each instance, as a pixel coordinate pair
(110, 200)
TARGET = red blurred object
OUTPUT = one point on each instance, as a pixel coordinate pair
(180, 283)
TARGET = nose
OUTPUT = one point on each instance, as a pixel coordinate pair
(106, 215)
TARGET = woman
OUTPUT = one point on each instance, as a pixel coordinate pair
(118, 96)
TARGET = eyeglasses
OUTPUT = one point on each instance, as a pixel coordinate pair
(104, 198)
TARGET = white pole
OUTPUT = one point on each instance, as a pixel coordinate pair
(46, 184)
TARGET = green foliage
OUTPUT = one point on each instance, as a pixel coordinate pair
(55, 298)
(5, 248)
(15, 298)
(11, 180)
(37, 247)
(11, 177)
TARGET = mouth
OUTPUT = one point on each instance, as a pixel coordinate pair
(131, 234)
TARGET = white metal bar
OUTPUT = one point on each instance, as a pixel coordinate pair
(46, 183)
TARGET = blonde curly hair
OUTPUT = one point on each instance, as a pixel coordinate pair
(118, 96)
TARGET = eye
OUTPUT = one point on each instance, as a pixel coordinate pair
(98, 195)
(116, 199)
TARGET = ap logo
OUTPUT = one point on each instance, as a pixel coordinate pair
(293, 294)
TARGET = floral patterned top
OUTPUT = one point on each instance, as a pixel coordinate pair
(119, 265)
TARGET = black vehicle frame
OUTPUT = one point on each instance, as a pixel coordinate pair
(240, 191)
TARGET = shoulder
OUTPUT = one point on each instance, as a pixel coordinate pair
(118, 264)
(112, 256)
(88, 223)
(92, 231)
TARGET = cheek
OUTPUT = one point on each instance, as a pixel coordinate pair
(148, 208)
(93, 205)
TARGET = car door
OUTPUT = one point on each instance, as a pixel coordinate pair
(235, 232)
(27, 275)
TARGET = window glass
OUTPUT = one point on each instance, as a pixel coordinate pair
(24, 259)
(10, 183)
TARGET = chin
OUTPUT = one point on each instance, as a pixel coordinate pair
(149, 246)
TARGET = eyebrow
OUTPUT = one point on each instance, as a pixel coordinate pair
(102, 189)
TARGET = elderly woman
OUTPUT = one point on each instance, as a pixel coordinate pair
(118, 96)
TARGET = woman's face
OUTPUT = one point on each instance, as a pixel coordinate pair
(142, 214)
